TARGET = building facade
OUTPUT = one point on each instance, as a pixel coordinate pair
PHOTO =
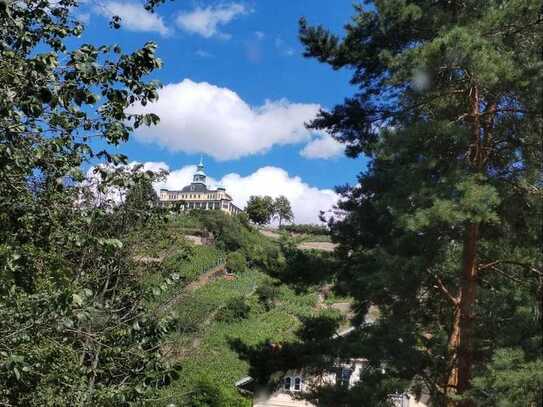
(346, 373)
(197, 195)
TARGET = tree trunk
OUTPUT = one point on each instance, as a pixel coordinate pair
(460, 339)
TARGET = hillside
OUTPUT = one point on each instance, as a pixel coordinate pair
(238, 290)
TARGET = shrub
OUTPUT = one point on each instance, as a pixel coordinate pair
(268, 294)
(236, 262)
(206, 393)
(235, 310)
(307, 229)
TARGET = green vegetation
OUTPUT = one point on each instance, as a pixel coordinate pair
(190, 264)
(442, 231)
(75, 326)
(213, 319)
(236, 262)
(282, 210)
(221, 313)
(262, 209)
(105, 301)
(306, 229)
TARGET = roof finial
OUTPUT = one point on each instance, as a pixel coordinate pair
(201, 160)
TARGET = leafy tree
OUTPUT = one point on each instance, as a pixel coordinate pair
(260, 209)
(75, 326)
(442, 230)
(141, 194)
(141, 200)
(282, 209)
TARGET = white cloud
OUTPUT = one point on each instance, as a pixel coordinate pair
(203, 54)
(203, 118)
(206, 21)
(133, 17)
(84, 18)
(323, 147)
(306, 201)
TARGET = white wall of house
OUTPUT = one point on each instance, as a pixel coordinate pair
(295, 382)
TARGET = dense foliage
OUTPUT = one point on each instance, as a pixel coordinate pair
(282, 210)
(260, 209)
(443, 230)
(307, 229)
(75, 327)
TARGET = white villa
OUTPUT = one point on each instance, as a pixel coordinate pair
(198, 196)
(348, 374)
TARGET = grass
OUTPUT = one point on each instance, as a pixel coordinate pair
(213, 356)
(183, 267)
(209, 318)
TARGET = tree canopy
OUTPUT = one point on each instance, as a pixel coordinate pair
(443, 230)
(260, 209)
(282, 209)
(75, 326)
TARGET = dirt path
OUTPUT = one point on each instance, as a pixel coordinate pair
(269, 233)
(307, 245)
(324, 246)
(204, 279)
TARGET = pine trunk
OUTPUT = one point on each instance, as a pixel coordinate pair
(460, 339)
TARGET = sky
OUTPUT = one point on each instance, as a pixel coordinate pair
(237, 91)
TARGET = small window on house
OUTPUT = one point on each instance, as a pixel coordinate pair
(287, 382)
(297, 383)
(345, 376)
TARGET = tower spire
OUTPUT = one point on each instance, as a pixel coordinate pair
(200, 175)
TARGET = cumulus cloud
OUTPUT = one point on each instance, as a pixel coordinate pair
(133, 17)
(206, 21)
(203, 118)
(306, 201)
(323, 147)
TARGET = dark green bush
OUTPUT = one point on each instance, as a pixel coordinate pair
(268, 295)
(235, 310)
(306, 229)
(205, 394)
(236, 262)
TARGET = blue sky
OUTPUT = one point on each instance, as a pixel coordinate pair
(238, 90)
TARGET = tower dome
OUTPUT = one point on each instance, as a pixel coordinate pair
(199, 176)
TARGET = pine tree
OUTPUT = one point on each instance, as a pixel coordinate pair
(443, 231)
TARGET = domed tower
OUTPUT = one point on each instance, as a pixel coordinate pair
(199, 175)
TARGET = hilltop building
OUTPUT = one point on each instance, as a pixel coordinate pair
(198, 196)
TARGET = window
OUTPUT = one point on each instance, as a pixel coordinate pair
(297, 383)
(345, 376)
(287, 383)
